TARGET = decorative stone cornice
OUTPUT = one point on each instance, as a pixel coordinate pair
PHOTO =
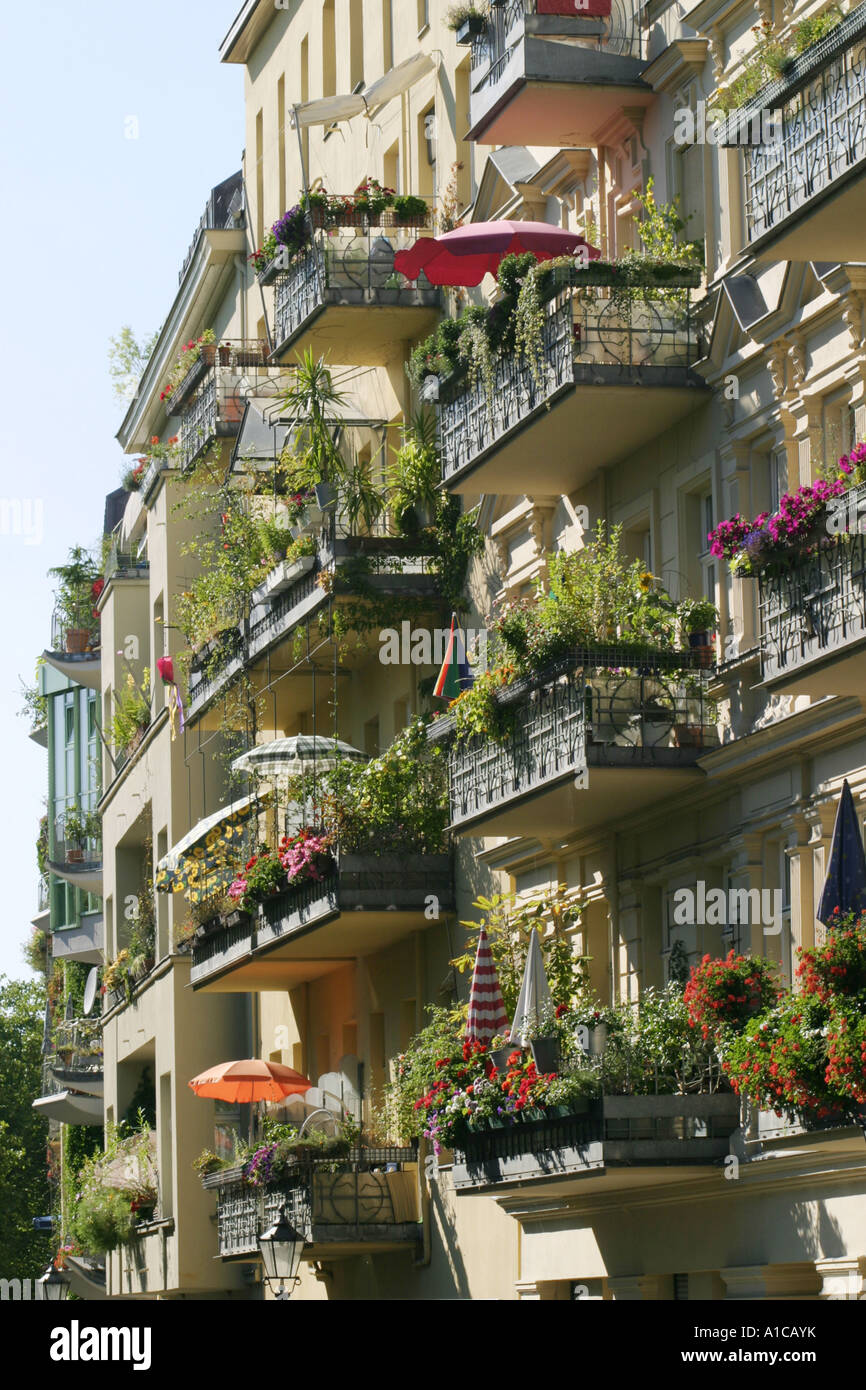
(680, 62)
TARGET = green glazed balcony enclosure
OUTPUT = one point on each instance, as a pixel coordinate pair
(553, 72)
(600, 735)
(813, 616)
(804, 192)
(614, 370)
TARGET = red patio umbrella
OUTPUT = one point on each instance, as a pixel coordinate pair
(466, 255)
(245, 1082)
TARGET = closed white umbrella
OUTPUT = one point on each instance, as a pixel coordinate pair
(290, 757)
(534, 994)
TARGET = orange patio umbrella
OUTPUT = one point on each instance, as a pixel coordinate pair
(249, 1081)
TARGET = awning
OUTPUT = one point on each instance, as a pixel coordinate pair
(327, 110)
(205, 859)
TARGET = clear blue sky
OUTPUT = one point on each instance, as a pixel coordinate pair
(94, 229)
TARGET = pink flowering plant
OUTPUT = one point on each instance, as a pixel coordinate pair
(772, 541)
(306, 857)
(261, 877)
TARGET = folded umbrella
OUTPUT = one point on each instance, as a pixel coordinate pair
(845, 884)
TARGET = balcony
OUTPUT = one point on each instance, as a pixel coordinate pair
(79, 866)
(615, 1133)
(278, 610)
(126, 564)
(614, 370)
(83, 942)
(805, 197)
(65, 655)
(813, 620)
(72, 1075)
(211, 398)
(542, 78)
(354, 1210)
(366, 904)
(596, 738)
(323, 300)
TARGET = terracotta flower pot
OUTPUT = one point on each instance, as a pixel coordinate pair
(77, 639)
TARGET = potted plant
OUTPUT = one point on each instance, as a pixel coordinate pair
(74, 835)
(408, 211)
(75, 596)
(466, 21)
(699, 619)
(545, 1053)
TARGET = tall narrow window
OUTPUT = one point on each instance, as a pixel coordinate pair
(356, 44)
(281, 143)
(305, 96)
(260, 179)
(708, 564)
(388, 33)
(778, 477)
(329, 49)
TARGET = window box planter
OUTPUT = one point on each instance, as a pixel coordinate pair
(75, 856)
(282, 578)
(605, 274)
(470, 29)
(392, 218)
(689, 735)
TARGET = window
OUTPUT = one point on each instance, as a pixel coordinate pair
(709, 571)
(356, 44)
(778, 477)
(329, 49)
(388, 33)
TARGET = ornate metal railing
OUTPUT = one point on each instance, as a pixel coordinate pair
(246, 642)
(604, 706)
(547, 740)
(618, 32)
(75, 1047)
(822, 136)
(590, 332)
(346, 265)
(816, 608)
(349, 1201)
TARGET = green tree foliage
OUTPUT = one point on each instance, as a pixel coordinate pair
(23, 1188)
(127, 358)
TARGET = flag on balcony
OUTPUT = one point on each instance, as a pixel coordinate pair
(845, 884)
(487, 1016)
(455, 676)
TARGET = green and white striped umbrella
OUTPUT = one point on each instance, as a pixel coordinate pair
(290, 757)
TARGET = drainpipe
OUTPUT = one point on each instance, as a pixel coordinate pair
(240, 267)
(422, 1260)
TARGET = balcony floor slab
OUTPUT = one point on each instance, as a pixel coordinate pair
(589, 425)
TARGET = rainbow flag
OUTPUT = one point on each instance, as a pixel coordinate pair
(455, 675)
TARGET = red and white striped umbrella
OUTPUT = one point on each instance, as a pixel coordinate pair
(487, 1016)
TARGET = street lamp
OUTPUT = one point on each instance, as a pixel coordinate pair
(281, 1248)
(54, 1285)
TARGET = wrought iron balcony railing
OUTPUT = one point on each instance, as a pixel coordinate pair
(604, 708)
(351, 1201)
(592, 334)
(619, 31)
(346, 266)
(212, 397)
(358, 882)
(615, 1130)
(821, 139)
(244, 644)
(75, 1053)
(816, 610)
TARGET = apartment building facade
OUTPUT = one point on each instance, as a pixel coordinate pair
(662, 429)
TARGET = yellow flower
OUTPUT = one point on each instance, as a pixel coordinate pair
(646, 582)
